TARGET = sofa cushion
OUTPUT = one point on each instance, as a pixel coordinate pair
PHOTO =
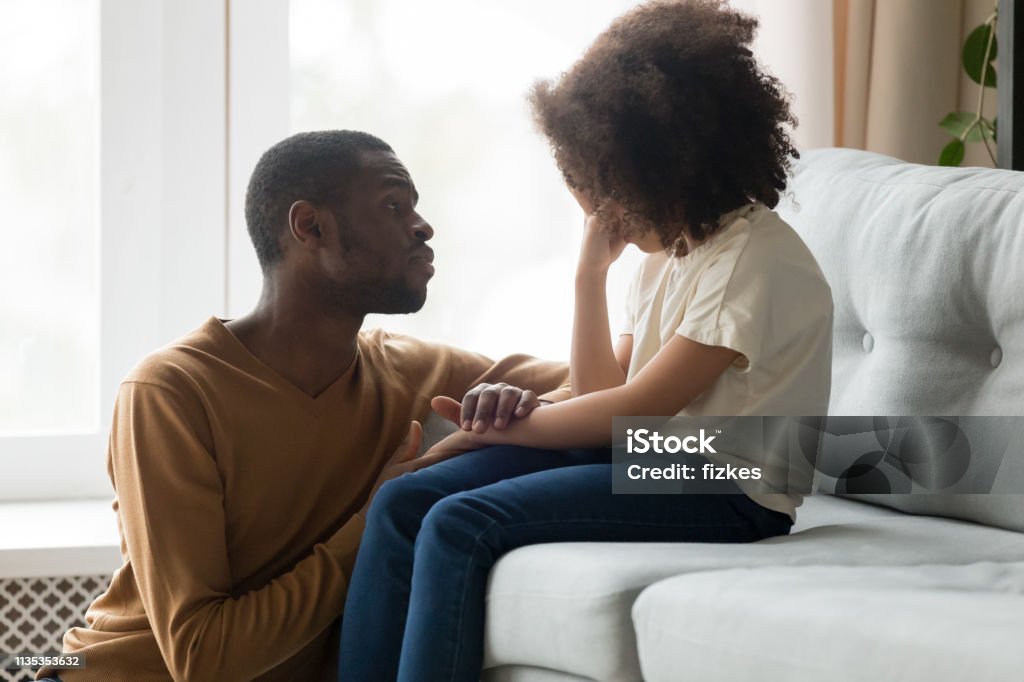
(566, 606)
(924, 265)
(921, 623)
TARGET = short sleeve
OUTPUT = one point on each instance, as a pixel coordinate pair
(730, 307)
(629, 320)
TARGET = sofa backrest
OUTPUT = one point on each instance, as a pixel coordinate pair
(926, 266)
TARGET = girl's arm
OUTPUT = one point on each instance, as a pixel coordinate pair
(681, 371)
(594, 364)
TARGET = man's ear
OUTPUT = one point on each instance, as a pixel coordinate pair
(303, 224)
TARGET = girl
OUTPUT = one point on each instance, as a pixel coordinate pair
(672, 138)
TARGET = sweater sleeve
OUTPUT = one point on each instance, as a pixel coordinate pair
(171, 506)
(544, 377)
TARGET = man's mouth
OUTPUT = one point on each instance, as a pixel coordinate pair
(424, 253)
(424, 258)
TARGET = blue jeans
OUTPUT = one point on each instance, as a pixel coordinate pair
(415, 606)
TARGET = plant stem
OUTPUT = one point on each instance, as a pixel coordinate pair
(991, 22)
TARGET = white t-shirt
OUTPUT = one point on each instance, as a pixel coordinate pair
(754, 287)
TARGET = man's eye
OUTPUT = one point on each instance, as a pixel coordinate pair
(393, 206)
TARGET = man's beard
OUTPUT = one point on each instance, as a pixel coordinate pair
(371, 293)
(393, 298)
(396, 297)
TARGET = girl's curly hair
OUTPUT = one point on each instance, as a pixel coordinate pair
(669, 114)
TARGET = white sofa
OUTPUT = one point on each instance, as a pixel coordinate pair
(927, 270)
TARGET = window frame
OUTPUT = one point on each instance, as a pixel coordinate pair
(162, 210)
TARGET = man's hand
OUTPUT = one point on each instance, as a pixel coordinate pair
(402, 461)
(487, 405)
(451, 446)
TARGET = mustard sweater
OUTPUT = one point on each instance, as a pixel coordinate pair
(236, 499)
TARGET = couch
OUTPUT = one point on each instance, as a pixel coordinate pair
(927, 270)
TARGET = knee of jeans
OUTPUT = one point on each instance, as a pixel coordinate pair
(400, 499)
(458, 519)
(386, 504)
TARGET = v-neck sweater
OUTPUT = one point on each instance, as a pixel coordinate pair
(237, 498)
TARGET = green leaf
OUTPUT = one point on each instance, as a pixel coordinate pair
(974, 57)
(956, 123)
(952, 154)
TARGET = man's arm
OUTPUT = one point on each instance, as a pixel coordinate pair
(171, 506)
(550, 380)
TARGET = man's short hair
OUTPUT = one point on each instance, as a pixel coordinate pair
(314, 166)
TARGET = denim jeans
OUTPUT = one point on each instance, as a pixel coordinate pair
(415, 606)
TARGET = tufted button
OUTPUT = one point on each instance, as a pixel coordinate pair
(869, 342)
(996, 357)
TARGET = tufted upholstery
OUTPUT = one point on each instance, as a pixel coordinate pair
(927, 272)
(926, 266)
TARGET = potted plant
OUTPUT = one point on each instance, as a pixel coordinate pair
(978, 57)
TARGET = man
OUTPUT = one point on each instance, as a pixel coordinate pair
(244, 455)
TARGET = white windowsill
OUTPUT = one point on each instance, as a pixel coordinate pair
(52, 538)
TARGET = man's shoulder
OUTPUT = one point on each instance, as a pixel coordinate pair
(401, 351)
(178, 365)
(420, 364)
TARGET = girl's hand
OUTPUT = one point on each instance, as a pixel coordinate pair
(601, 247)
(450, 446)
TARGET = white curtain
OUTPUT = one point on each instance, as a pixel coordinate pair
(795, 44)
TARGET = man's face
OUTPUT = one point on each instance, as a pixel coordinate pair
(381, 263)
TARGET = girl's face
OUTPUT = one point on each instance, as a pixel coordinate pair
(648, 242)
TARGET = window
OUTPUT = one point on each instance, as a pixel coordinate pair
(131, 128)
(112, 180)
(445, 84)
(49, 191)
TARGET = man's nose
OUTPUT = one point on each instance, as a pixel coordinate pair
(421, 229)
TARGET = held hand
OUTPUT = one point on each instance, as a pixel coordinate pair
(601, 247)
(487, 405)
(402, 461)
(451, 446)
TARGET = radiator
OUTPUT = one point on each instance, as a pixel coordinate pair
(36, 612)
